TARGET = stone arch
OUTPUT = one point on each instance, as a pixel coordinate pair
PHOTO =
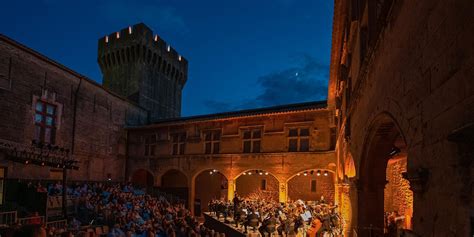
(349, 166)
(174, 178)
(384, 142)
(143, 178)
(261, 183)
(209, 184)
(312, 184)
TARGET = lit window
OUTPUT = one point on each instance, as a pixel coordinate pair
(45, 116)
(298, 139)
(252, 140)
(212, 142)
(178, 142)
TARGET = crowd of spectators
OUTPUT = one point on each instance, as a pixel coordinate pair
(128, 211)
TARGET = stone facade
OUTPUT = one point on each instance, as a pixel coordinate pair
(140, 66)
(273, 159)
(88, 118)
(401, 76)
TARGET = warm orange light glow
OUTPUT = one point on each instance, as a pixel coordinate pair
(349, 166)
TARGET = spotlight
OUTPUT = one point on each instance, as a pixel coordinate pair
(312, 172)
(318, 173)
(395, 150)
(27, 162)
(42, 163)
(214, 171)
(326, 173)
(250, 173)
(244, 173)
(298, 174)
(260, 173)
(57, 166)
(210, 172)
(305, 173)
(266, 173)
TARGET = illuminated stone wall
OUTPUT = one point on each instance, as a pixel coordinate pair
(250, 186)
(299, 187)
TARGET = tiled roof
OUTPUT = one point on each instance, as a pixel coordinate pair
(314, 105)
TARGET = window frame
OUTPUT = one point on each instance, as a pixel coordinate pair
(42, 124)
(252, 140)
(150, 141)
(179, 142)
(299, 139)
(212, 143)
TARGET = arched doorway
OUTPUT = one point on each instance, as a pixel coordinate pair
(383, 193)
(210, 184)
(257, 184)
(175, 182)
(143, 178)
(312, 185)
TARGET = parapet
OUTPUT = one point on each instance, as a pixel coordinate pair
(141, 42)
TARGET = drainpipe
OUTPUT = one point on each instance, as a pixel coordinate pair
(73, 143)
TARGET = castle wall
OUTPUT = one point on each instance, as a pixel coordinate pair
(100, 115)
(418, 71)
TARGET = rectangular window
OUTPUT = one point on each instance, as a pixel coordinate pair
(212, 142)
(45, 124)
(150, 145)
(298, 139)
(313, 186)
(252, 140)
(179, 143)
(263, 185)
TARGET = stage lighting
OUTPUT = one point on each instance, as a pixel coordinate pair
(27, 162)
(42, 163)
(250, 173)
(318, 173)
(305, 173)
(312, 172)
(326, 173)
(210, 172)
(298, 174)
(244, 173)
(266, 173)
(395, 150)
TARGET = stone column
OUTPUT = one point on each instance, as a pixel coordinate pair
(191, 194)
(230, 189)
(283, 191)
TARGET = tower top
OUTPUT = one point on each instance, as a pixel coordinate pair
(141, 34)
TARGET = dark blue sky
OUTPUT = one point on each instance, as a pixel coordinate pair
(242, 53)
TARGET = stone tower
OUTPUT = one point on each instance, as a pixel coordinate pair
(140, 66)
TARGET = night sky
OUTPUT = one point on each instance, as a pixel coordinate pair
(242, 54)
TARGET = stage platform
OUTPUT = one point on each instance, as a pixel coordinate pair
(212, 222)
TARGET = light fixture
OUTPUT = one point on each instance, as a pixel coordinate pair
(179, 57)
(106, 39)
(156, 37)
(260, 173)
(395, 150)
(312, 172)
(244, 173)
(250, 173)
(326, 173)
(214, 170)
(266, 173)
(298, 174)
(305, 173)
(42, 163)
(168, 48)
(130, 30)
(210, 172)
(118, 35)
(27, 161)
(318, 173)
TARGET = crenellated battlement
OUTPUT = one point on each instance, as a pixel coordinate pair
(139, 65)
(138, 43)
